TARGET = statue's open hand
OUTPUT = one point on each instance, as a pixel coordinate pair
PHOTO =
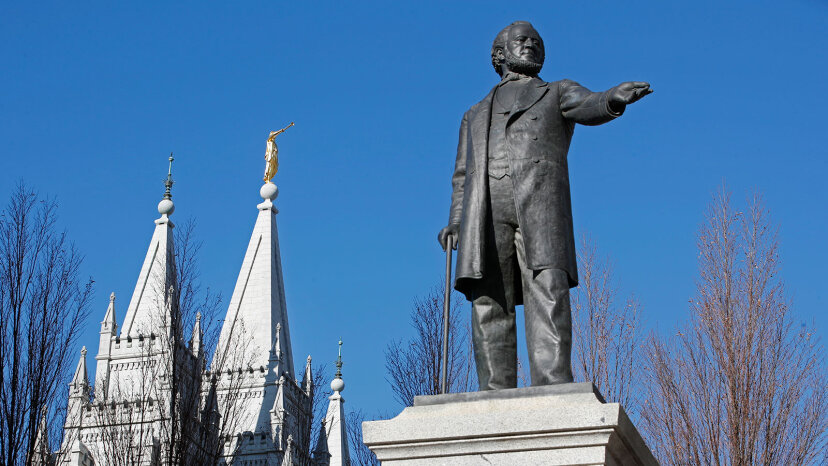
(447, 234)
(627, 93)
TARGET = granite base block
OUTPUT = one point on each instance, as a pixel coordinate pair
(566, 424)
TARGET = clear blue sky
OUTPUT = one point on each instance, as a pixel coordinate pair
(96, 94)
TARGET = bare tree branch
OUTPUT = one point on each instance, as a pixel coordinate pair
(360, 453)
(606, 335)
(43, 306)
(413, 365)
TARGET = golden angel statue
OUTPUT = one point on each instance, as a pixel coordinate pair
(272, 154)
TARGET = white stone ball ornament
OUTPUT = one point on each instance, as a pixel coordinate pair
(166, 207)
(337, 385)
(269, 191)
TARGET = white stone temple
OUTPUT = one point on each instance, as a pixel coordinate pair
(158, 399)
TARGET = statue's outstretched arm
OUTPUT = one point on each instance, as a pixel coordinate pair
(276, 133)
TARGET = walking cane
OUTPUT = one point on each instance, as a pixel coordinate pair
(446, 302)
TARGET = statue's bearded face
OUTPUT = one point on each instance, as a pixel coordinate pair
(524, 51)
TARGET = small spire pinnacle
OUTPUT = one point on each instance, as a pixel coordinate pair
(307, 379)
(80, 382)
(335, 428)
(108, 324)
(195, 341)
(168, 183)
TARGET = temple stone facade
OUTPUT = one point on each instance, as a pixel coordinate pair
(158, 399)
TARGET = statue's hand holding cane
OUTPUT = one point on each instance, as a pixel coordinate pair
(448, 235)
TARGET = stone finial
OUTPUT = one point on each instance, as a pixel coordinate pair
(168, 183)
(268, 191)
(307, 379)
(195, 340)
(166, 206)
(337, 384)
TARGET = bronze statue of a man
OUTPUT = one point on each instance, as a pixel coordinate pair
(511, 215)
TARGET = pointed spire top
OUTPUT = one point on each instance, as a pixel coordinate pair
(108, 325)
(337, 384)
(307, 379)
(80, 382)
(198, 334)
(320, 452)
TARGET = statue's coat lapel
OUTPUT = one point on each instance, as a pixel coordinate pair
(480, 129)
(531, 94)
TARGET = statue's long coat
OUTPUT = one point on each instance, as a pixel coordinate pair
(538, 134)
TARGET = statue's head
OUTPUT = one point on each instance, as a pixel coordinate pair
(519, 48)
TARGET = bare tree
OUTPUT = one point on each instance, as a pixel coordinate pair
(321, 391)
(43, 305)
(360, 453)
(737, 384)
(188, 440)
(413, 366)
(606, 335)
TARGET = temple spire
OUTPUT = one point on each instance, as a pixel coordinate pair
(335, 428)
(257, 314)
(148, 309)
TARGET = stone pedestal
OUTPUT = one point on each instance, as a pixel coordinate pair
(567, 424)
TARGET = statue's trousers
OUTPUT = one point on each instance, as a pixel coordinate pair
(546, 305)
